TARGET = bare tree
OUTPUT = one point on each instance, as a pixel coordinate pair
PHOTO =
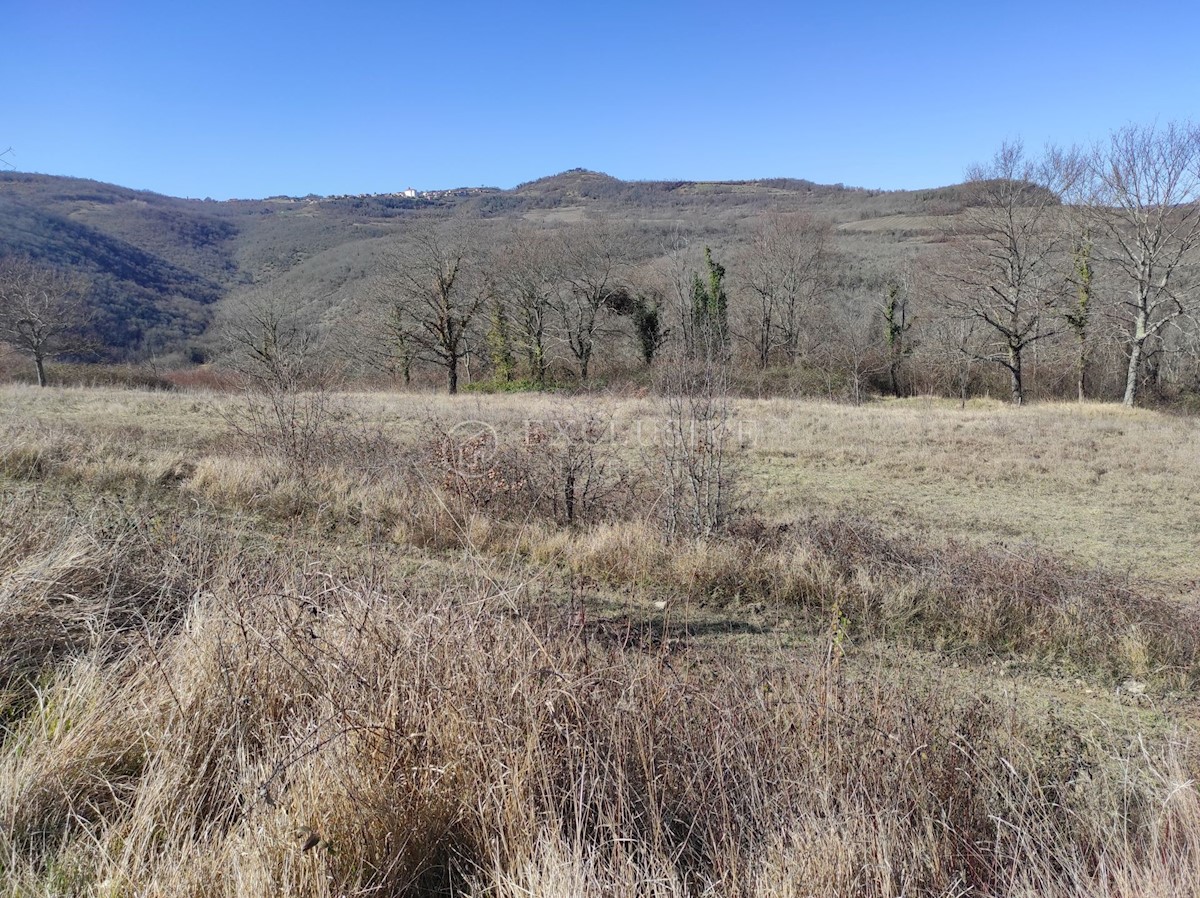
(44, 312)
(851, 354)
(288, 410)
(673, 273)
(696, 450)
(1002, 273)
(1148, 207)
(594, 257)
(436, 286)
(786, 268)
(266, 343)
(952, 349)
(527, 276)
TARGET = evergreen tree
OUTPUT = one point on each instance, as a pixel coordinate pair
(1079, 314)
(500, 343)
(710, 308)
(647, 322)
(896, 327)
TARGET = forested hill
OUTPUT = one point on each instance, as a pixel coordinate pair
(159, 264)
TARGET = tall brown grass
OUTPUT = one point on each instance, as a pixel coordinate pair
(391, 674)
(185, 714)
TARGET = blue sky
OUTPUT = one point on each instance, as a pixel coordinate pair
(229, 99)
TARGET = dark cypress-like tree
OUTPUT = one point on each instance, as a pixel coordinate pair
(710, 308)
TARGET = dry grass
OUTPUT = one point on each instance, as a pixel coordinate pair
(210, 662)
(456, 740)
(1095, 483)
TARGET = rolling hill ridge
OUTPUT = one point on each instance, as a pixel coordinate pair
(159, 265)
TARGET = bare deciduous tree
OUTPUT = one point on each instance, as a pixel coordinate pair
(265, 342)
(594, 256)
(527, 275)
(436, 286)
(787, 267)
(953, 348)
(1002, 273)
(1148, 207)
(44, 312)
(852, 353)
(673, 273)
(696, 450)
(289, 410)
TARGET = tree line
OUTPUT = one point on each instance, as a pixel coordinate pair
(1080, 262)
(1084, 245)
(1062, 272)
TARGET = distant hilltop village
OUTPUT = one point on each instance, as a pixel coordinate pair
(409, 194)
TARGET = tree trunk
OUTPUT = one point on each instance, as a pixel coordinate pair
(1135, 359)
(41, 369)
(537, 366)
(452, 375)
(1014, 368)
(1131, 376)
(1081, 366)
(569, 495)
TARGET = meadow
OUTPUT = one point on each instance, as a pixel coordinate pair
(411, 644)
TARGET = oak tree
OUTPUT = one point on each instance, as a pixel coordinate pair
(594, 258)
(787, 268)
(1002, 271)
(44, 312)
(436, 286)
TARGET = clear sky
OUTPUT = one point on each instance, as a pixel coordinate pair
(245, 99)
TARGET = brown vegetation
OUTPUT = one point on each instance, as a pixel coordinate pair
(466, 655)
(1066, 274)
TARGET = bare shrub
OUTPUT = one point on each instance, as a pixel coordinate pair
(1021, 602)
(695, 452)
(583, 475)
(291, 410)
(569, 471)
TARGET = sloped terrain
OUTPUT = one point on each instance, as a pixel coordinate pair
(160, 264)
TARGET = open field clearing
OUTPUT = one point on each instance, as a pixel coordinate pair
(1101, 484)
(1096, 483)
(392, 661)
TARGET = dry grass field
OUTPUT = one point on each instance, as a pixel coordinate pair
(938, 652)
(1095, 483)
